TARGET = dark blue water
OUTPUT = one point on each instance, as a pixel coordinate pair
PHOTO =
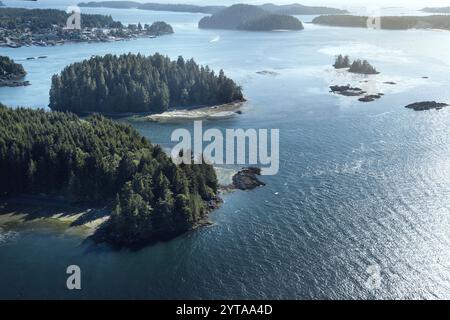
(360, 185)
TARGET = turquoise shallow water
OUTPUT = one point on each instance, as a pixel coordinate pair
(359, 184)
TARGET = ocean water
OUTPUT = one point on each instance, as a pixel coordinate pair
(361, 187)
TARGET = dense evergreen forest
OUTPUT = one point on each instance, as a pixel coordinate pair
(249, 17)
(10, 70)
(342, 62)
(98, 160)
(362, 67)
(387, 22)
(135, 83)
(272, 22)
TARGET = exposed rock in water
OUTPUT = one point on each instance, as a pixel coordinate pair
(426, 105)
(390, 82)
(268, 73)
(370, 97)
(246, 179)
(347, 91)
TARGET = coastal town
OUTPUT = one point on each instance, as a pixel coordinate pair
(53, 28)
(57, 35)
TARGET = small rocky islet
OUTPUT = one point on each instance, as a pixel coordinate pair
(349, 91)
(247, 179)
(426, 105)
(358, 67)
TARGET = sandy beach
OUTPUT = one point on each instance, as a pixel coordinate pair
(224, 111)
(41, 212)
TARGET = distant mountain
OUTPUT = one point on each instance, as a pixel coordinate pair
(297, 9)
(248, 17)
(289, 9)
(436, 10)
(153, 6)
(388, 22)
(180, 8)
(111, 4)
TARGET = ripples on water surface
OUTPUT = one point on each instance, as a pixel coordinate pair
(359, 184)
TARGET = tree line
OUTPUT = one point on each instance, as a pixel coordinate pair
(249, 17)
(357, 66)
(9, 69)
(387, 22)
(98, 161)
(135, 83)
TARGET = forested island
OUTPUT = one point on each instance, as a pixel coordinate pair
(137, 84)
(100, 162)
(11, 73)
(248, 17)
(387, 22)
(290, 9)
(45, 27)
(358, 66)
(426, 105)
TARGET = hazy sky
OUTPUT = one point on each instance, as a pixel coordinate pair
(334, 3)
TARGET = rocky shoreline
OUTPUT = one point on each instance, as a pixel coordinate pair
(61, 41)
(39, 211)
(247, 179)
(13, 82)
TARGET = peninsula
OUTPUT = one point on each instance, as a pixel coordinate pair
(137, 84)
(100, 162)
(251, 18)
(47, 27)
(387, 22)
(11, 73)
